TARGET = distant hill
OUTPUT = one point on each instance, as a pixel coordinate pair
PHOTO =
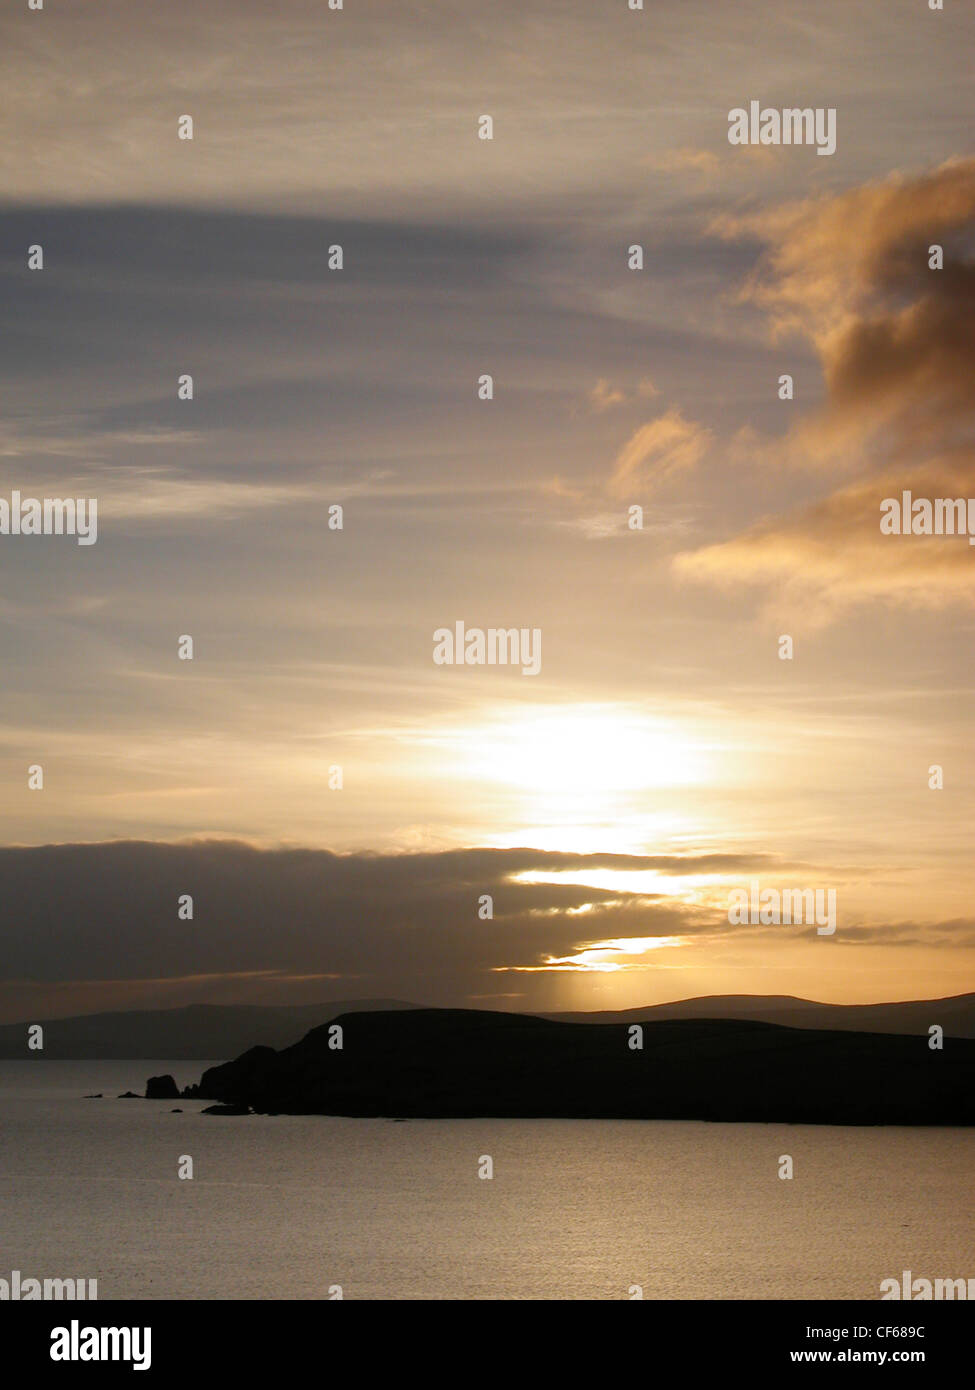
(956, 1014)
(199, 1030)
(226, 1030)
(456, 1063)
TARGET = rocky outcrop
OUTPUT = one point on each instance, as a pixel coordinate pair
(161, 1088)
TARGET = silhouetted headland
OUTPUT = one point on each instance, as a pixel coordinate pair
(454, 1063)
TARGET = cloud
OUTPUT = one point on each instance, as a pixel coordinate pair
(658, 450)
(90, 444)
(802, 281)
(374, 105)
(400, 922)
(93, 925)
(831, 556)
(673, 161)
(602, 526)
(895, 338)
(603, 396)
(896, 342)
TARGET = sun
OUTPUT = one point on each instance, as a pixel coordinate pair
(590, 753)
(576, 777)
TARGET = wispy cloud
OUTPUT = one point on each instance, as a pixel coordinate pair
(656, 452)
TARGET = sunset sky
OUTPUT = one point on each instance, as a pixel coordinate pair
(664, 754)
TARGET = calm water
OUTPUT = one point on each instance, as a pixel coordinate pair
(282, 1207)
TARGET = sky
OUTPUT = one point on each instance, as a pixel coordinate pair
(664, 754)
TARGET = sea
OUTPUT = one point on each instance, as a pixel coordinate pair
(317, 1207)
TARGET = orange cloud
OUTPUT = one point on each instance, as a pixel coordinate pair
(832, 556)
(667, 445)
(603, 396)
(896, 340)
(895, 337)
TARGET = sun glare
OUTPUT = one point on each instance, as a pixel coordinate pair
(589, 750)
